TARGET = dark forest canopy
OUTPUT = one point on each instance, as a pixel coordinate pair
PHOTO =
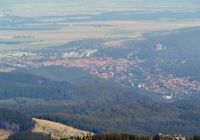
(112, 136)
(14, 121)
(99, 108)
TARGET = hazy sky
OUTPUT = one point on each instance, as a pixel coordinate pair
(45, 7)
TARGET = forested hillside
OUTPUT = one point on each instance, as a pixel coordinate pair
(14, 121)
(29, 136)
(99, 108)
(112, 136)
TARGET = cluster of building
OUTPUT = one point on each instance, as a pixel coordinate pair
(167, 84)
(102, 67)
(11, 60)
(119, 70)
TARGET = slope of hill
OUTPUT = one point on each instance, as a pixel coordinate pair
(19, 86)
(169, 56)
(174, 52)
(57, 73)
(57, 130)
(99, 108)
(4, 134)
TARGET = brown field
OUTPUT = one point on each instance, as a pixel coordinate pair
(4, 134)
(87, 30)
(57, 130)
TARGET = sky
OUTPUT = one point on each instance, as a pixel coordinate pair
(58, 7)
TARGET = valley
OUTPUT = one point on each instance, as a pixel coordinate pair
(99, 70)
(130, 64)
